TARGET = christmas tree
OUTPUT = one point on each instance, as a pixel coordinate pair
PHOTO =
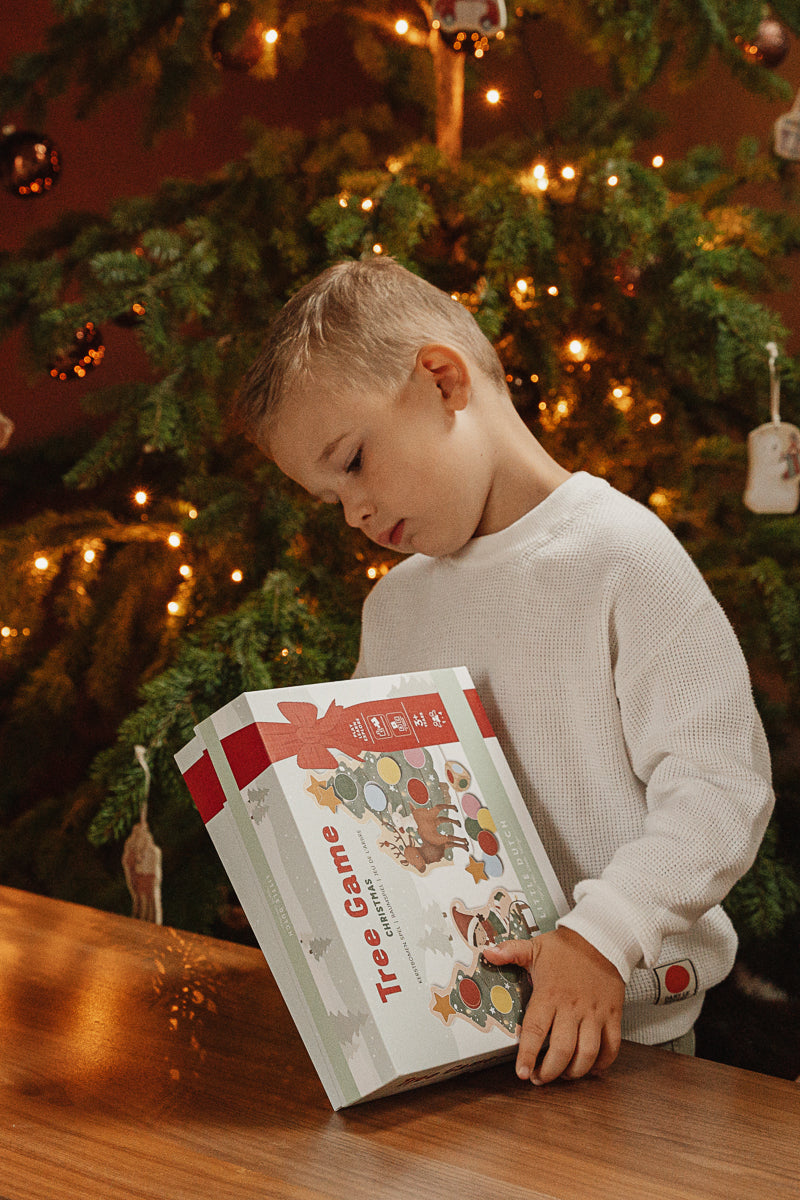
(154, 566)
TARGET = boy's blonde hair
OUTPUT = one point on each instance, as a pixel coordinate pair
(357, 324)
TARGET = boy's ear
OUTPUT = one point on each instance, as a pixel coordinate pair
(449, 372)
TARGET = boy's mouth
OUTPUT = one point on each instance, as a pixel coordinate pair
(394, 535)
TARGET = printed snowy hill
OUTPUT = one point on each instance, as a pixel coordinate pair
(376, 840)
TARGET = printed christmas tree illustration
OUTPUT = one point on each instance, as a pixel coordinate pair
(483, 993)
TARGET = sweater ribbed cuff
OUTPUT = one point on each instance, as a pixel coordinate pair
(606, 928)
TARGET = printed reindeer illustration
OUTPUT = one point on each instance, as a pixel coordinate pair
(433, 843)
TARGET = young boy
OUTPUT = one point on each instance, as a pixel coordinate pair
(609, 672)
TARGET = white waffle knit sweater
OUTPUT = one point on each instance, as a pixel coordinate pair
(622, 700)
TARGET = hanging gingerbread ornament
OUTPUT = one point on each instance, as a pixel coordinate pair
(787, 133)
(773, 456)
(84, 353)
(141, 859)
(30, 163)
(770, 44)
(467, 25)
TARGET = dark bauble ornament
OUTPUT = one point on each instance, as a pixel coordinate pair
(30, 163)
(84, 353)
(237, 51)
(771, 43)
(132, 316)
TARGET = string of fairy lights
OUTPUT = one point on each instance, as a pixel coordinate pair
(559, 180)
(45, 564)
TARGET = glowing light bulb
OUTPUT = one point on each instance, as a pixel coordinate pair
(377, 248)
(567, 172)
(576, 346)
(401, 26)
(552, 290)
(543, 184)
(88, 556)
(173, 607)
(342, 202)
(174, 539)
(562, 407)
(656, 418)
(141, 497)
(284, 652)
(5, 631)
(658, 160)
(372, 572)
(366, 204)
(41, 563)
(185, 570)
(522, 285)
(539, 171)
(271, 36)
(193, 514)
(237, 576)
(612, 180)
(493, 96)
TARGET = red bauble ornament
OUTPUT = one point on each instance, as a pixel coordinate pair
(29, 163)
(237, 51)
(771, 43)
(85, 352)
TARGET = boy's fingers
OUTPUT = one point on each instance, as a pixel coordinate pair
(560, 1052)
(535, 1027)
(610, 1043)
(586, 1052)
(516, 950)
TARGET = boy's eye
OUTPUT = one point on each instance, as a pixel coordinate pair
(355, 462)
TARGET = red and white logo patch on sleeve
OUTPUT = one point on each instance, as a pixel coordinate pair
(675, 981)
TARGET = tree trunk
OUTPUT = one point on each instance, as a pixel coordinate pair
(449, 72)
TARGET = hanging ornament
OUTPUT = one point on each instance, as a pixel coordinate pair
(30, 164)
(627, 275)
(773, 456)
(141, 859)
(85, 352)
(787, 132)
(236, 49)
(6, 430)
(770, 45)
(467, 25)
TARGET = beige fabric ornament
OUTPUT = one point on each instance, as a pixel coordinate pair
(6, 430)
(773, 457)
(787, 132)
(141, 860)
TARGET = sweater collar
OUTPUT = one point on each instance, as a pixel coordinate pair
(535, 527)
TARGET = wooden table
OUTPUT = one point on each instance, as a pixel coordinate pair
(142, 1063)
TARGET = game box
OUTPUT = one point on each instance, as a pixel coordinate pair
(376, 839)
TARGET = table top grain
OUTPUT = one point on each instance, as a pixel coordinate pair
(138, 1062)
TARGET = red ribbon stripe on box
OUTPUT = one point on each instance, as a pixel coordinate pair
(396, 723)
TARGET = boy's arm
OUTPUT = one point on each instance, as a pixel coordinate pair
(695, 740)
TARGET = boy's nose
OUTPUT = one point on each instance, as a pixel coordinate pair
(356, 510)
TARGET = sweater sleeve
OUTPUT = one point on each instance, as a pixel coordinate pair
(696, 742)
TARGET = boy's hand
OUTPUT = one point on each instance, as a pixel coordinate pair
(577, 1000)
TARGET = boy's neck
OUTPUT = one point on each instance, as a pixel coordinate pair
(525, 476)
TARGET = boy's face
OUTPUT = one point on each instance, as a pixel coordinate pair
(411, 470)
